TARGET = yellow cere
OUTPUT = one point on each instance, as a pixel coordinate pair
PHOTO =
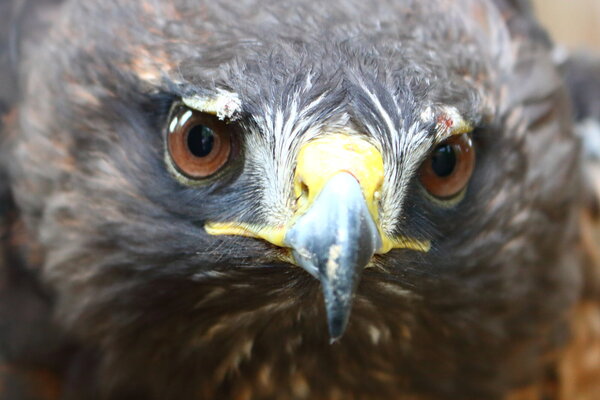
(318, 161)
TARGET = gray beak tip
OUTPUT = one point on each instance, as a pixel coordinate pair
(337, 327)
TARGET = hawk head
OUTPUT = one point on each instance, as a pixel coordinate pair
(224, 187)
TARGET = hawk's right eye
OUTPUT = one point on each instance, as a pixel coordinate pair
(199, 144)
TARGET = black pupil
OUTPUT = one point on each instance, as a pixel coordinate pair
(200, 140)
(443, 160)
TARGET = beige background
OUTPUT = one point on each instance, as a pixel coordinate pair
(575, 23)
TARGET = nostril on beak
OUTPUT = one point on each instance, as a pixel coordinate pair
(302, 195)
(304, 189)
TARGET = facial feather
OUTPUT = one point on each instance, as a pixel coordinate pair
(136, 276)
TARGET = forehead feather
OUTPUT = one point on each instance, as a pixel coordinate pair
(222, 43)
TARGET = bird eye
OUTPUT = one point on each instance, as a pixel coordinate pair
(448, 168)
(199, 144)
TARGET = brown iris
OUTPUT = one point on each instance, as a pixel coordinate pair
(199, 143)
(447, 170)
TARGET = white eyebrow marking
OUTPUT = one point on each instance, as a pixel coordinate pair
(223, 104)
(449, 123)
(427, 114)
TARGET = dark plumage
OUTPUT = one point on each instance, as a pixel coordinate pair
(125, 295)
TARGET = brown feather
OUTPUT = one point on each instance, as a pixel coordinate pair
(576, 368)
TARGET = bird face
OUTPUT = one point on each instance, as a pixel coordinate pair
(335, 183)
(225, 184)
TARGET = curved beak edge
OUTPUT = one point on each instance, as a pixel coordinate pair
(334, 240)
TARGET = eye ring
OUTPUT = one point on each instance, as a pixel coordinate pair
(198, 144)
(448, 168)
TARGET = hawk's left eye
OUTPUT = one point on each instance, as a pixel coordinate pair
(199, 144)
(447, 170)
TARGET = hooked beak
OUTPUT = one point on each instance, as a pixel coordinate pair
(334, 241)
(334, 232)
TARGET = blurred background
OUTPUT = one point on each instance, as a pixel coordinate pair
(574, 23)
